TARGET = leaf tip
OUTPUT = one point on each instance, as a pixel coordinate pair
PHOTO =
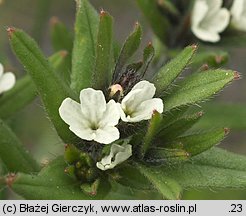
(219, 59)
(103, 12)
(150, 44)
(63, 53)
(200, 114)
(54, 21)
(204, 67)
(227, 131)
(237, 75)
(10, 178)
(194, 47)
(10, 31)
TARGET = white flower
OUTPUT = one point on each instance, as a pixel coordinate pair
(209, 19)
(7, 80)
(238, 12)
(93, 119)
(118, 154)
(139, 103)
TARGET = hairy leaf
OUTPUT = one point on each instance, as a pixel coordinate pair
(104, 52)
(13, 154)
(169, 72)
(52, 184)
(18, 97)
(178, 127)
(61, 37)
(198, 87)
(83, 59)
(168, 187)
(197, 143)
(50, 87)
(224, 115)
(158, 22)
(214, 172)
(129, 48)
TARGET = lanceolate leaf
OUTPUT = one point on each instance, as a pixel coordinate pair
(129, 48)
(167, 156)
(52, 184)
(224, 115)
(153, 126)
(18, 97)
(212, 58)
(51, 88)
(148, 55)
(158, 22)
(198, 87)
(24, 91)
(221, 158)
(84, 50)
(216, 171)
(104, 52)
(168, 187)
(198, 143)
(62, 38)
(177, 128)
(169, 72)
(12, 154)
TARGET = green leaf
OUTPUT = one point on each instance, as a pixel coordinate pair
(130, 176)
(18, 97)
(104, 52)
(121, 192)
(224, 115)
(61, 63)
(169, 72)
(168, 7)
(24, 90)
(50, 87)
(178, 127)
(233, 38)
(129, 48)
(158, 156)
(12, 154)
(151, 132)
(198, 87)
(197, 143)
(61, 37)
(148, 55)
(212, 58)
(84, 50)
(221, 158)
(52, 184)
(215, 171)
(158, 22)
(168, 187)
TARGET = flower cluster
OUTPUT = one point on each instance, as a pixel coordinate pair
(94, 119)
(7, 80)
(209, 18)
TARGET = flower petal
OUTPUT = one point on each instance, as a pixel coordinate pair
(111, 116)
(237, 9)
(119, 153)
(146, 109)
(70, 112)
(142, 91)
(199, 12)
(206, 35)
(7, 81)
(107, 135)
(238, 12)
(93, 105)
(218, 21)
(1, 70)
